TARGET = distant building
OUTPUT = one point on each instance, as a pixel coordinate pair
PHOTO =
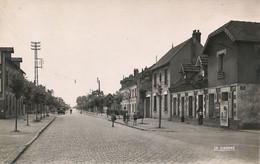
(129, 91)
(8, 66)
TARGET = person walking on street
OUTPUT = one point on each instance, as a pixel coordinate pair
(113, 118)
(70, 111)
(135, 119)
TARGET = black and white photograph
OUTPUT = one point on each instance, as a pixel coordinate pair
(129, 81)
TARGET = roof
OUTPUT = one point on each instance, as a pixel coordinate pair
(14, 65)
(203, 59)
(7, 49)
(238, 31)
(17, 60)
(169, 55)
(189, 68)
(196, 82)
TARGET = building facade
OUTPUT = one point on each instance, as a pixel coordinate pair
(129, 92)
(223, 83)
(166, 72)
(9, 66)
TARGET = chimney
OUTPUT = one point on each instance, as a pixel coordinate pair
(195, 39)
(196, 36)
(136, 71)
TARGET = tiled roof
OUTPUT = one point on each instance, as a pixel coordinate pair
(189, 68)
(203, 59)
(196, 82)
(239, 31)
(169, 55)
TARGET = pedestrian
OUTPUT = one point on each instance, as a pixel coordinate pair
(124, 116)
(70, 111)
(200, 115)
(127, 118)
(113, 118)
(135, 119)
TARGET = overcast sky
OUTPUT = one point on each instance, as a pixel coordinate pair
(85, 39)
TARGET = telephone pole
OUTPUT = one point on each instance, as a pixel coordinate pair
(37, 61)
(98, 81)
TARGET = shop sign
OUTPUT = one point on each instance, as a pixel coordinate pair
(224, 115)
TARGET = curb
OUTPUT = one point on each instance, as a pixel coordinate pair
(119, 123)
(21, 150)
(250, 131)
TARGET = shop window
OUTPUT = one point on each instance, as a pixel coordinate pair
(224, 96)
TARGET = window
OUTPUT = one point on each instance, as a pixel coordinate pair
(224, 96)
(160, 77)
(154, 80)
(258, 75)
(155, 103)
(165, 102)
(257, 51)
(165, 77)
(220, 62)
(220, 56)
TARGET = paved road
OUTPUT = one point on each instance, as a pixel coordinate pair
(75, 138)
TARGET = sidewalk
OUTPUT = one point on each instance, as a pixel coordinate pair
(12, 144)
(150, 124)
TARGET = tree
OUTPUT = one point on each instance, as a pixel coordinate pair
(17, 86)
(159, 94)
(28, 94)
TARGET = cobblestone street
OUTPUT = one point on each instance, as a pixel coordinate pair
(76, 138)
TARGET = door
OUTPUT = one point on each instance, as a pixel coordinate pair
(211, 105)
(190, 106)
(148, 101)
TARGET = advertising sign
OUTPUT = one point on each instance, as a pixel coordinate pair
(224, 115)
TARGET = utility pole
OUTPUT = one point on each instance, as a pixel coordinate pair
(37, 61)
(98, 81)
(37, 64)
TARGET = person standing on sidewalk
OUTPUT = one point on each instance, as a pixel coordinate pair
(126, 118)
(200, 115)
(135, 119)
(113, 118)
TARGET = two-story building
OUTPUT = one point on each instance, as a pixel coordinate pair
(8, 67)
(223, 83)
(129, 91)
(166, 72)
(234, 72)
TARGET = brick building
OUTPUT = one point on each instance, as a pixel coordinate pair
(9, 66)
